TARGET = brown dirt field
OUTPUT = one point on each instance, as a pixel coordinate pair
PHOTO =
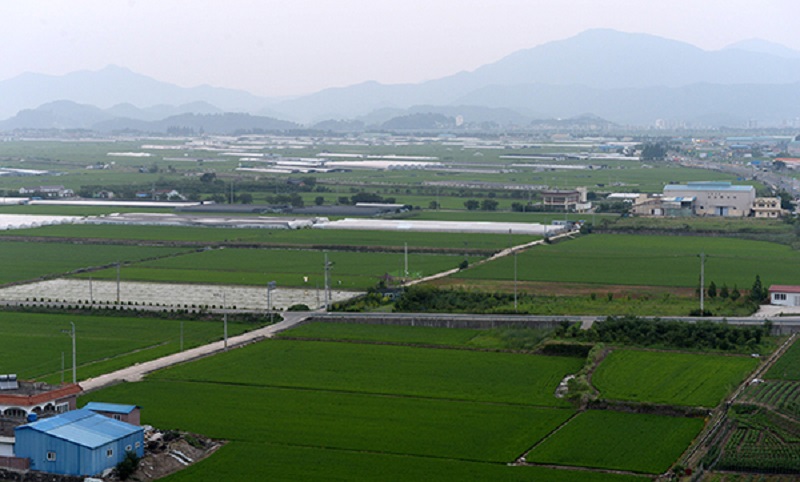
(560, 289)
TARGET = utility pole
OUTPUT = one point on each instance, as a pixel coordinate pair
(91, 292)
(406, 258)
(327, 293)
(270, 286)
(515, 281)
(224, 321)
(117, 282)
(181, 335)
(74, 354)
(702, 281)
(62, 367)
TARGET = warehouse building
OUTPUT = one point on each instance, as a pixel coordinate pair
(80, 443)
(715, 198)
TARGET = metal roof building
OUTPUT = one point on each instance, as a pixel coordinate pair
(80, 442)
(125, 413)
(715, 198)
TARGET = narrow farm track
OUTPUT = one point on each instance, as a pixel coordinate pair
(496, 256)
(137, 372)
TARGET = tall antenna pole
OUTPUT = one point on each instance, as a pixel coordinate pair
(515, 281)
(702, 281)
(117, 282)
(224, 321)
(406, 259)
(325, 292)
(74, 356)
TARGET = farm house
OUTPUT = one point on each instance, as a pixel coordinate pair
(80, 442)
(784, 295)
(117, 411)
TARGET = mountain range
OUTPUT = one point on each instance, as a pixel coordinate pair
(626, 78)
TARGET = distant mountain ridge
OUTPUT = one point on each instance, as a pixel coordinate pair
(627, 78)
(66, 114)
(115, 85)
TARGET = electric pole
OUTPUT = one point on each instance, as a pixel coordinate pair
(71, 333)
(702, 281)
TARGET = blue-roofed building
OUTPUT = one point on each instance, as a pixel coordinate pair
(80, 442)
(117, 411)
(715, 198)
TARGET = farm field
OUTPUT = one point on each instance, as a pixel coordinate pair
(384, 333)
(760, 440)
(647, 260)
(340, 420)
(299, 237)
(788, 366)
(290, 268)
(406, 371)
(309, 463)
(780, 395)
(31, 344)
(701, 224)
(24, 261)
(623, 441)
(670, 378)
(375, 412)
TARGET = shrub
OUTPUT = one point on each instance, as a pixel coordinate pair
(298, 307)
(128, 466)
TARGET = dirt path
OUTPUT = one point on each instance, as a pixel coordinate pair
(136, 372)
(498, 255)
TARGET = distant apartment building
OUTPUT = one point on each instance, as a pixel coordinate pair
(566, 199)
(767, 207)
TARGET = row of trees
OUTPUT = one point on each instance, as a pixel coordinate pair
(759, 294)
(703, 335)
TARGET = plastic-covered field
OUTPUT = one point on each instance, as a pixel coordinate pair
(166, 294)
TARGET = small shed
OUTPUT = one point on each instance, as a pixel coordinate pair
(117, 411)
(784, 295)
(80, 443)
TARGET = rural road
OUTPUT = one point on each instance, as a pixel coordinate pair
(136, 372)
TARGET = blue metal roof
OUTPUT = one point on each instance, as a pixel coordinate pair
(83, 427)
(110, 407)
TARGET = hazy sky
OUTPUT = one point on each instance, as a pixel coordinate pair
(287, 47)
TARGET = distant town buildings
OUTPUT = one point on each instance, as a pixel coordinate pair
(47, 191)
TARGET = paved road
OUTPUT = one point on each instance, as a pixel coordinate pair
(136, 372)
